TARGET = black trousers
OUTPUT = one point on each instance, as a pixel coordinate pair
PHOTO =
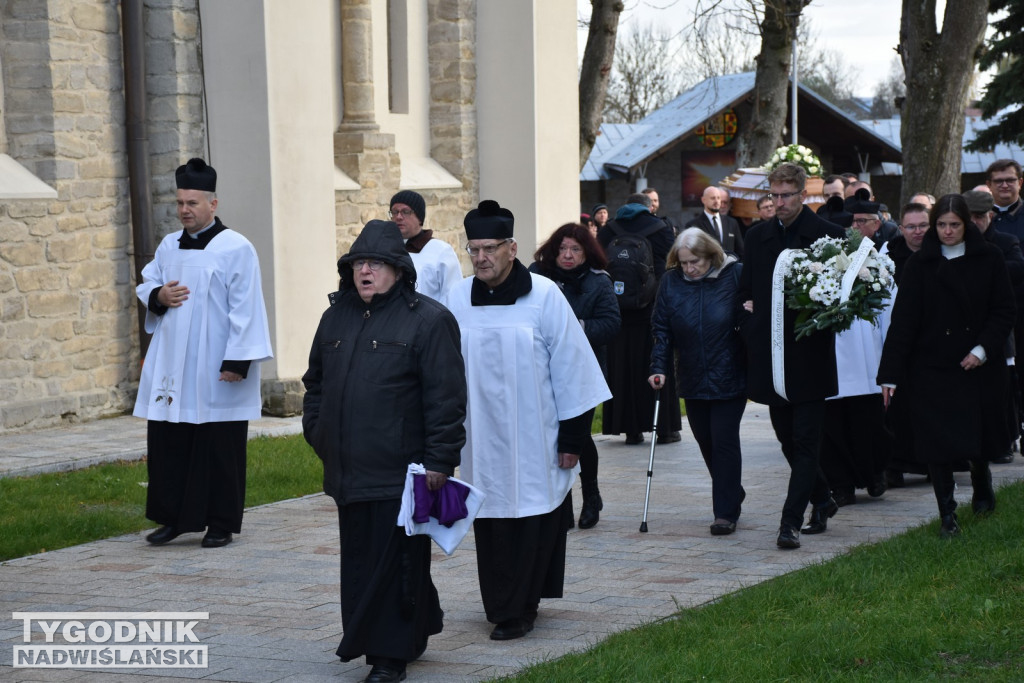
(798, 427)
(588, 458)
(716, 428)
(196, 474)
(855, 447)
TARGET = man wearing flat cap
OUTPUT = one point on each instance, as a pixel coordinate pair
(200, 381)
(532, 378)
(385, 388)
(437, 266)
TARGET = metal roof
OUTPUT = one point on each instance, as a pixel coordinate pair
(970, 162)
(622, 147)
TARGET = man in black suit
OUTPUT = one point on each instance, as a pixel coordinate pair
(805, 370)
(717, 223)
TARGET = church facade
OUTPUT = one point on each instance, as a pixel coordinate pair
(313, 112)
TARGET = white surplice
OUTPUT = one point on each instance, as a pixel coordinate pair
(858, 352)
(437, 269)
(224, 318)
(528, 366)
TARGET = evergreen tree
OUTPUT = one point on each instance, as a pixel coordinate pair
(1006, 51)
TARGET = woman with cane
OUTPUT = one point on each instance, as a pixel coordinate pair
(694, 319)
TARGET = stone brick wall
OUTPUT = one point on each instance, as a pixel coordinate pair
(68, 314)
(68, 333)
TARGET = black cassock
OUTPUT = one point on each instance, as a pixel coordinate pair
(389, 605)
(196, 474)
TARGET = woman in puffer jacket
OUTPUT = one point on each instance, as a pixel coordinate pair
(694, 331)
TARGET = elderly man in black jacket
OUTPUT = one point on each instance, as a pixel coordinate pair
(386, 387)
(805, 370)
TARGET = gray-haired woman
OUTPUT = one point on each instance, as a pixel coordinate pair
(694, 319)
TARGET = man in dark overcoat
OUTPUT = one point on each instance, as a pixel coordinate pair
(809, 372)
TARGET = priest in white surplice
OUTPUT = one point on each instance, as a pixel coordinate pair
(532, 377)
(200, 379)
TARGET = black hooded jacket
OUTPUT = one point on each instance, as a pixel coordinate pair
(386, 383)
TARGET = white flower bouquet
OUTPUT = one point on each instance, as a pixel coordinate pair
(794, 154)
(822, 284)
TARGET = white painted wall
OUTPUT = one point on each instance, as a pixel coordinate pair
(271, 125)
(527, 114)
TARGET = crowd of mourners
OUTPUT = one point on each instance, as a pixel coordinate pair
(415, 371)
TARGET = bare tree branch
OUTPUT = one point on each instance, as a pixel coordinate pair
(596, 69)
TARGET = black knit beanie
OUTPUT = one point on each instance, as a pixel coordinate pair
(414, 200)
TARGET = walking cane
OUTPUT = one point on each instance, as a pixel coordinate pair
(650, 464)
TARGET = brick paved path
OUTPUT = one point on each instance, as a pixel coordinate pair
(273, 594)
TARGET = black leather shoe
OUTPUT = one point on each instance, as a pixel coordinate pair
(384, 674)
(894, 479)
(1004, 459)
(215, 538)
(844, 497)
(788, 538)
(722, 527)
(878, 487)
(669, 437)
(984, 504)
(633, 439)
(949, 527)
(820, 515)
(164, 534)
(511, 629)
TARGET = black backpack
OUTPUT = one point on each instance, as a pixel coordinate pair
(631, 266)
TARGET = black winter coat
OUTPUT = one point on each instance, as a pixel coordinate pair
(899, 252)
(593, 300)
(943, 309)
(810, 362)
(386, 384)
(697, 320)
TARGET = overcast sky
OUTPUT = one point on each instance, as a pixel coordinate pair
(864, 32)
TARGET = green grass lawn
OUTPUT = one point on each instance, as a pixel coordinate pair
(51, 511)
(912, 608)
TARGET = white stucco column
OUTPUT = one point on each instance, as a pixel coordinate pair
(528, 114)
(270, 133)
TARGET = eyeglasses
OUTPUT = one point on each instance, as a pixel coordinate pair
(488, 250)
(404, 213)
(1005, 181)
(920, 227)
(862, 221)
(571, 250)
(375, 264)
(784, 196)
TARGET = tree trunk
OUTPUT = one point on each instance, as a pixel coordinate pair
(762, 133)
(596, 70)
(938, 68)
